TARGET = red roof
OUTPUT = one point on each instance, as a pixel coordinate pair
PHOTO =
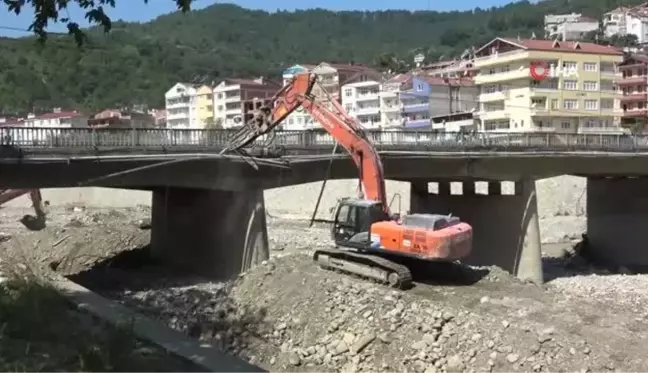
(558, 46)
(62, 114)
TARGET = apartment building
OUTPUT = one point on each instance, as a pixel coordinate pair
(452, 95)
(544, 85)
(116, 118)
(204, 106)
(236, 99)
(391, 108)
(459, 68)
(331, 78)
(627, 20)
(415, 100)
(180, 105)
(633, 83)
(567, 27)
(362, 101)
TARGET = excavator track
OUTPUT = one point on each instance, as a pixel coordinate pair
(370, 266)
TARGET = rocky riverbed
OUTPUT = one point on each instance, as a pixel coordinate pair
(289, 315)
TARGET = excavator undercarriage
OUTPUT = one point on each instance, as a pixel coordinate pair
(366, 265)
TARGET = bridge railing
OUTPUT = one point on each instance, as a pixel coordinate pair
(25, 137)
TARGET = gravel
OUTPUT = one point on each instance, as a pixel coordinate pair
(290, 315)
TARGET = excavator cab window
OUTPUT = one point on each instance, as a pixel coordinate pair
(353, 220)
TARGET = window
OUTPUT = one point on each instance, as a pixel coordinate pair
(590, 86)
(591, 104)
(348, 92)
(220, 96)
(571, 85)
(554, 104)
(570, 104)
(607, 103)
(570, 66)
(419, 87)
(348, 107)
(220, 107)
(591, 123)
(565, 125)
(590, 66)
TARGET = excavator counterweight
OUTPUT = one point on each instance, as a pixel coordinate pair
(371, 238)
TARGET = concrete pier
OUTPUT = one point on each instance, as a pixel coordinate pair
(506, 229)
(210, 232)
(617, 221)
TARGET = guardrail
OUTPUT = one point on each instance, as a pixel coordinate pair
(43, 138)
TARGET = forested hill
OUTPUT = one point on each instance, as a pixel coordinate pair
(137, 63)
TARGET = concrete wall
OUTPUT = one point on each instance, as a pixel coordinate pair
(618, 220)
(90, 197)
(505, 225)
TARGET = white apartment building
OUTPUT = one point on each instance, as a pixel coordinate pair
(628, 20)
(180, 106)
(568, 26)
(391, 107)
(362, 101)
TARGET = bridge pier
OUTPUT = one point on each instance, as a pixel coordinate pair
(506, 229)
(617, 217)
(209, 232)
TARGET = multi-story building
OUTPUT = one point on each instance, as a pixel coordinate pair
(362, 101)
(414, 97)
(452, 95)
(568, 26)
(180, 106)
(519, 90)
(459, 68)
(331, 78)
(235, 99)
(204, 106)
(391, 108)
(628, 20)
(633, 83)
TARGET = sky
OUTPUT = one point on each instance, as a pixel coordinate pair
(136, 10)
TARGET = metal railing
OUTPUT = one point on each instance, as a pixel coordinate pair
(45, 138)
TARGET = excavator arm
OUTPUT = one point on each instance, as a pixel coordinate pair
(333, 118)
(30, 222)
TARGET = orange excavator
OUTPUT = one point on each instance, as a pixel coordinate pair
(34, 223)
(372, 239)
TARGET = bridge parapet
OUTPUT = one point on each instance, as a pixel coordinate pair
(313, 140)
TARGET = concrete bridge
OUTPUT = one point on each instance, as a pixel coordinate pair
(208, 210)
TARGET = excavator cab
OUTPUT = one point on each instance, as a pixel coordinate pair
(353, 220)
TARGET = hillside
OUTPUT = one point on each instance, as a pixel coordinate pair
(137, 63)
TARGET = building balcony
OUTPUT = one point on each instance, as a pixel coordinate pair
(367, 97)
(495, 96)
(630, 113)
(232, 99)
(631, 80)
(501, 58)
(366, 111)
(608, 74)
(178, 116)
(391, 108)
(493, 115)
(634, 96)
(416, 108)
(395, 123)
(417, 123)
(504, 76)
(633, 66)
(178, 105)
(613, 130)
(539, 111)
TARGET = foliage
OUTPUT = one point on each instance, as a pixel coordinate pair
(136, 63)
(621, 41)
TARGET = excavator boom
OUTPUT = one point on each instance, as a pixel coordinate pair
(333, 118)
